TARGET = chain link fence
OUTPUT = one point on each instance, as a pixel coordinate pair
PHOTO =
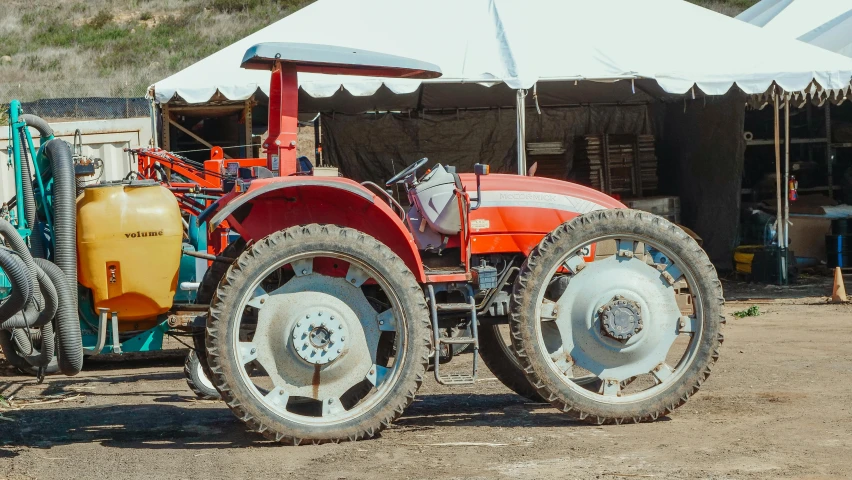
(91, 108)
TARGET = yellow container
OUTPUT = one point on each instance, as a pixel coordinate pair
(744, 256)
(129, 246)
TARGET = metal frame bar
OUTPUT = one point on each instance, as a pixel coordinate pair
(829, 150)
(103, 314)
(522, 132)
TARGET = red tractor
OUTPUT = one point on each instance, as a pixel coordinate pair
(336, 301)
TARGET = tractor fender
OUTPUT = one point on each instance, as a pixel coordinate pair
(273, 204)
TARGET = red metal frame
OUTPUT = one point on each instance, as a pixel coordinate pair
(283, 120)
(207, 180)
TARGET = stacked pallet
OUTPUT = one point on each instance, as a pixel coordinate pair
(647, 163)
(621, 164)
(588, 162)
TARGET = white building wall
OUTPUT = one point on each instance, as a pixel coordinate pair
(104, 139)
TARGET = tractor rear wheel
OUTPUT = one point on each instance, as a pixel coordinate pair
(496, 350)
(635, 331)
(318, 334)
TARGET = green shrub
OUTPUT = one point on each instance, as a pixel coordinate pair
(34, 62)
(101, 19)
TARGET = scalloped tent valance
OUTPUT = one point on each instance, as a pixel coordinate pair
(680, 46)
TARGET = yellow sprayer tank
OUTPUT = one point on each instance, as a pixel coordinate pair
(129, 239)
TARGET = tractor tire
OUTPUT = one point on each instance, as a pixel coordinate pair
(500, 358)
(19, 362)
(197, 381)
(287, 423)
(583, 316)
(206, 290)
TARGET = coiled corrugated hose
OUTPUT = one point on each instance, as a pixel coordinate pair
(37, 238)
(69, 338)
(54, 286)
(36, 305)
(19, 277)
(65, 255)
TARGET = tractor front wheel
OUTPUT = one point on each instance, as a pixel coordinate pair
(633, 333)
(496, 350)
(197, 380)
(318, 334)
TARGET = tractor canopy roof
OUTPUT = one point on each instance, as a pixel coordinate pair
(328, 59)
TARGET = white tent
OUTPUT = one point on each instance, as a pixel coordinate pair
(823, 23)
(681, 46)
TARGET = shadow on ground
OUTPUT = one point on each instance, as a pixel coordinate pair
(189, 426)
(737, 288)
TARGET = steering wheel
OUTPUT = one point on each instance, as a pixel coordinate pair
(408, 171)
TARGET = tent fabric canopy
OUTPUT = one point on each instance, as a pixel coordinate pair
(672, 42)
(823, 23)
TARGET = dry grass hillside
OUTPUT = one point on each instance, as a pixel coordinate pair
(71, 48)
(116, 48)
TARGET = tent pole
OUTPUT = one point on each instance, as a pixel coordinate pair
(779, 218)
(522, 132)
(784, 254)
(828, 159)
(786, 170)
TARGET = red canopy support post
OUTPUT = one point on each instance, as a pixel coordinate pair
(283, 120)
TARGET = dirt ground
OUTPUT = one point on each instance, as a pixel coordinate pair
(777, 405)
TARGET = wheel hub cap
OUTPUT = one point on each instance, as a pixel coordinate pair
(620, 318)
(320, 337)
(303, 349)
(591, 315)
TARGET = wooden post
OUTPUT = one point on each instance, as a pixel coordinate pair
(249, 150)
(167, 144)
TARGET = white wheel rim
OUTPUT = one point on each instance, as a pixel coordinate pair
(202, 377)
(580, 331)
(312, 296)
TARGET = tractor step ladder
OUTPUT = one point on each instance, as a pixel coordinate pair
(438, 340)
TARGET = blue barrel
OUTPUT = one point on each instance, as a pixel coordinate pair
(838, 250)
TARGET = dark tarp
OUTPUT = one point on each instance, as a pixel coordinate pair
(373, 147)
(701, 155)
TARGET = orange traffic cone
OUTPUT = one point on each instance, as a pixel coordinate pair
(838, 293)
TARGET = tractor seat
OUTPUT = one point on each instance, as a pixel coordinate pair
(435, 199)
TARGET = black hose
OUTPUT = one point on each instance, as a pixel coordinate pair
(70, 344)
(37, 356)
(36, 239)
(32, 316)
(46, 132)
(69, 339)
(16, 243)
(48, 292)
(20, 280)
(64, 211)
(39, 124)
